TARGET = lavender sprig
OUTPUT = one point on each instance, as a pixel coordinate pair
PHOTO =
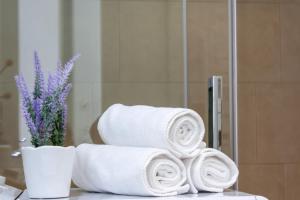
(23, 89)
(29, 122)
(45, 112)
(39, 78)
(66, 71)
(65, 92)
(26, 104)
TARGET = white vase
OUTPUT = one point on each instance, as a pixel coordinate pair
(48, 170)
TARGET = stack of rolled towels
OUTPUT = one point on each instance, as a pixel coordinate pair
(152, 151)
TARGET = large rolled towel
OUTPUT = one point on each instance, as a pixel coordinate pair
(179, 130)
(211, 171)
(128, 170)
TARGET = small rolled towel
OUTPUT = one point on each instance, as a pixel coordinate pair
(128, 170)
(179, 130)
(211, 171)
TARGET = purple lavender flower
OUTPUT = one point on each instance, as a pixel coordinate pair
(39, 78)
(29, 122)
(21, 84)
(63, 73)
(37, 107)
(52, 84)
(45, 111)
(65, 92)
(65, 116)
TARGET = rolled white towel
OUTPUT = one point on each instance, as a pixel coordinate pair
(211, 171)
(179, 130)
(128, 170)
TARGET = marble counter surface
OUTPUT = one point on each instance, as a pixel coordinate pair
(77, 194)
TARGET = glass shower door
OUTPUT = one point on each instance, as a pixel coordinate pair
(162, 53)
(208, 55)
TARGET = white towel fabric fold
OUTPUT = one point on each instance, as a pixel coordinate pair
(179, 130)
(128, 170)
(211, 171)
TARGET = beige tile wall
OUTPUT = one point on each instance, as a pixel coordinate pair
(269, 97)
(269, 86)
(142, 52)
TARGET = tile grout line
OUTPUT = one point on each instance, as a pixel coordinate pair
(256, 122)
(280, 43)
(119, 41)
(281, 80)
(284, 181)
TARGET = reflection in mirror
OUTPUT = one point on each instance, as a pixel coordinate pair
(131, 53)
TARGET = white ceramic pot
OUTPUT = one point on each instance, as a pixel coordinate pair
(48, 170)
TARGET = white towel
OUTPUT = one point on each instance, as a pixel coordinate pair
(211, 171)
(128, 170)
(179, 130)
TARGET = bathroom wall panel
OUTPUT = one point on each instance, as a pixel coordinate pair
(208, 40)
(138, 46)
(110, 24)
(143, 40)
(9, 114)
(247, 123)
(268, 55)
(278, 136)
(174, 41)
(258, 42)
(292, 181)
(8, 162)
(85, 108)
(175, 94)
(198, 95)
(290, 42)
(142, 52)
(135, 93)
(269, 184)
(8, 37)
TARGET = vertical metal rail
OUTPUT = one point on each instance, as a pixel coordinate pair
(233, 81)
(185, 54)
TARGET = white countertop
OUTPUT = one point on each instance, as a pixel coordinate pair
(77, 194)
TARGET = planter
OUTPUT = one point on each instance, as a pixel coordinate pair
(48, 170)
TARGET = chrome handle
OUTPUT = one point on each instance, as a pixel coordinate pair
(215, 112)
